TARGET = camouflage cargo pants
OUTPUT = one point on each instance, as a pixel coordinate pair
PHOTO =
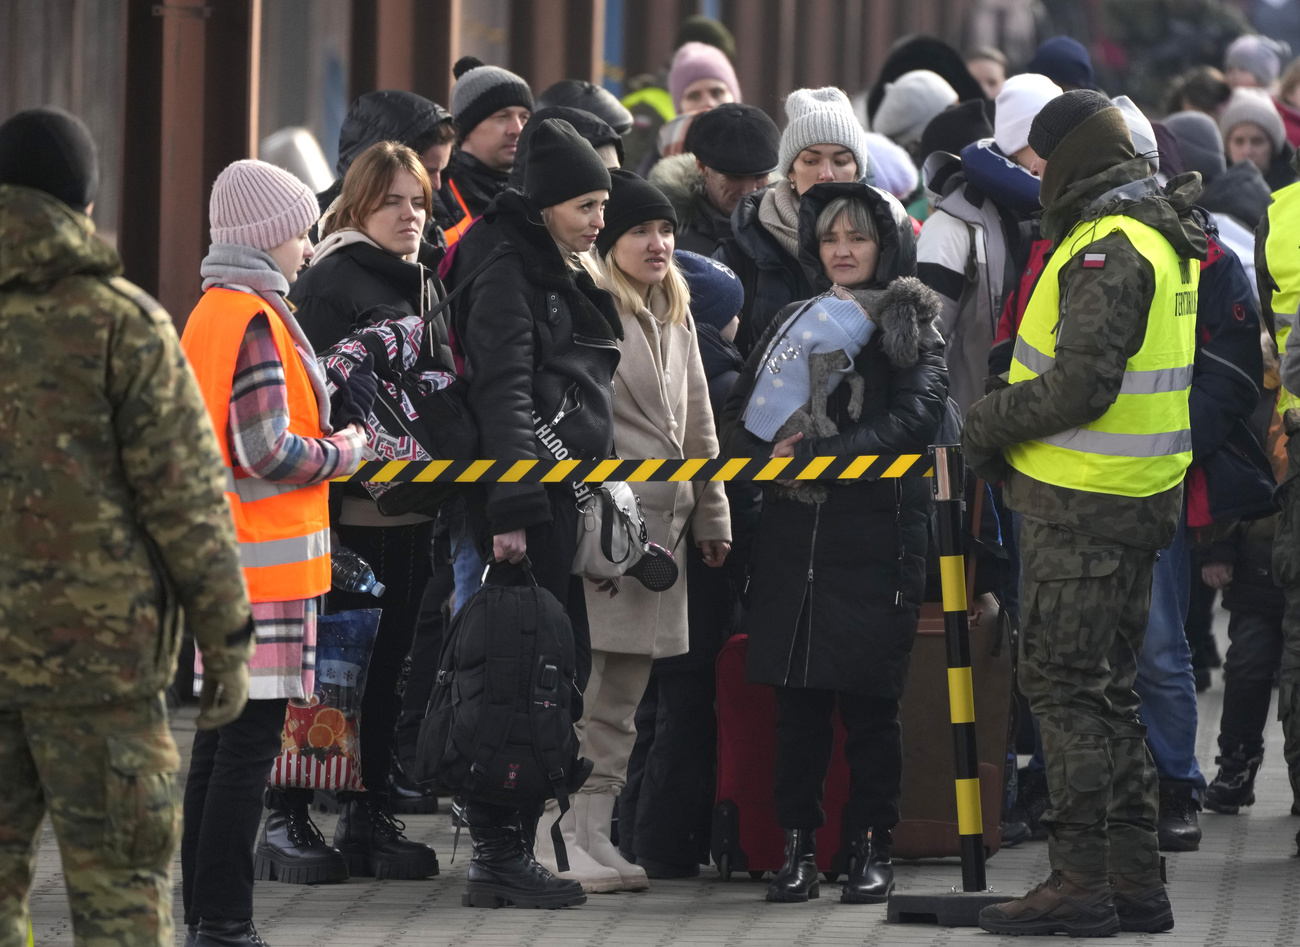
(1286, 572)
(1085, 611)
(106, 777)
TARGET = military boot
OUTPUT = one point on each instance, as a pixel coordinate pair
(1142, 902)
(871, 872)
(1234, 785)
(1179, 829)
(501, 872)
(219, 932)
(797, 879)
(1077, 903)
(371, 840)
(291, 849)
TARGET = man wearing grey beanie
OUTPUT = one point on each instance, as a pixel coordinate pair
(491, 105)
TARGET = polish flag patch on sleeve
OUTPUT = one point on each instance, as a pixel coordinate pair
(1094, 261)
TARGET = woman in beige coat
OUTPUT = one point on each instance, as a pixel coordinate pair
(661, 409)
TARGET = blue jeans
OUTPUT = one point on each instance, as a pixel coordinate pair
(1164, 679)
(468, 567)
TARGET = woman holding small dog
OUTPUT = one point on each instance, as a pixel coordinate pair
(661, 409)
(839, 569)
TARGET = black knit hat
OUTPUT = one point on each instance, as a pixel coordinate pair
(482, 90)
(735, 139)
(561, 165)
(591, 128)
(956, 127)
(1062, 115)
(632, 200)
(599, 101)
(52, 151)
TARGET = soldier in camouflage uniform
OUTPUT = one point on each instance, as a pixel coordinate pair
(114, 523)
(1088, 554)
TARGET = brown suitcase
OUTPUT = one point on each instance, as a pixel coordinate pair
(928, 828)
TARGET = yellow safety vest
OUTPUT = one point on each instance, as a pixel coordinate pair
(658, 99)
(1142, 445)
(1284, 266)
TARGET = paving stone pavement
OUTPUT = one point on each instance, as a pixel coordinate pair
(1242, 889)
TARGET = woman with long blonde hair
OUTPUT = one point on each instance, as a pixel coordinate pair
(661, 409)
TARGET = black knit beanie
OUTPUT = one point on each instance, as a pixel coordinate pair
(481, 91)
(52, 151)
(632, 200)
(561, 165)
(956, 127)
(1062, 115)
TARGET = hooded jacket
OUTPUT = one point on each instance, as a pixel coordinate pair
(836, 586)
(538, 336)
(1093, 173)
(112, 499)
(700, 225)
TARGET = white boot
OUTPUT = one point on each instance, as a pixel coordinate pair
(594, 877)
(595, 811)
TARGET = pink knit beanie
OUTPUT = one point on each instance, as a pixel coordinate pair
(259, 205)
(696, 61)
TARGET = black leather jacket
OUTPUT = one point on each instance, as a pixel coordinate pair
(538, 336)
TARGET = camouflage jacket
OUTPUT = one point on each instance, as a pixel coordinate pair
(112, 511)
(1103, 323)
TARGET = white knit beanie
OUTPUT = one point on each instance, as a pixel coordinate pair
(909, 103)
(1253, 105)
(1139, 129)
(1021, 98)
(821, 117)
(259, 205)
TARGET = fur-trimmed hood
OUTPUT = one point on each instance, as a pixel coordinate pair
(682, 182)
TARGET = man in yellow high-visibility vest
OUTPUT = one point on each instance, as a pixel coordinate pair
(1092, 438)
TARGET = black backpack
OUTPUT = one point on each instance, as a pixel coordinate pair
(498, 726)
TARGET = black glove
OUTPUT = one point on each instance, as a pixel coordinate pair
(354, 395)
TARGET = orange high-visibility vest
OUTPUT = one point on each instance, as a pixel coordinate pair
(283, 528)
(457, 230)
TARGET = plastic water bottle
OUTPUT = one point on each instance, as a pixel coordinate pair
(351, 573)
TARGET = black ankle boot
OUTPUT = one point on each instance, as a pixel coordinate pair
(407, 796)
(217, 932)
(871, 873)
(372, 843)
(291, 849)
(502, 871)
(797, 879)
(1233, 787)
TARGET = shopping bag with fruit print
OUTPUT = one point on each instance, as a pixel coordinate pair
(320, 747)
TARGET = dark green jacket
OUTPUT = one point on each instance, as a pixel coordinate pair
(112, 506)
(1092, 174)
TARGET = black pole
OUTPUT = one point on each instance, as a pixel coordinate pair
(949, 495)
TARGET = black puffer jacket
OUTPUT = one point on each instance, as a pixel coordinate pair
(343, 283)
(538, 336)
(771, 277)
(836, 586)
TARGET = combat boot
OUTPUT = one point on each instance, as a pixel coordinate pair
(219, 932)
(501, 872)
(1179, 829)
(371, 841)
(871, 872)
(291, 849)
(797, 879)
(1234, 785)
(1142, 902)
(1077, 903)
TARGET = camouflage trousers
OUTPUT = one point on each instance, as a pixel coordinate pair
(1085, 611)
(1286, 572)
(106, 775)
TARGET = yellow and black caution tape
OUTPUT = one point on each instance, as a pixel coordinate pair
(864, 467)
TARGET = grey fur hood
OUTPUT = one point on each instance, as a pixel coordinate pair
(682, 182)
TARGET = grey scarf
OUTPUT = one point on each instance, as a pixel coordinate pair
(243, 268)
(778, 212)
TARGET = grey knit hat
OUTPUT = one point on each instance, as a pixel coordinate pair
(482, 90)
(1199, 142)
(909, 103)
(1253, 105)
(821, 117)
(259, 205)
(1261, 56)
